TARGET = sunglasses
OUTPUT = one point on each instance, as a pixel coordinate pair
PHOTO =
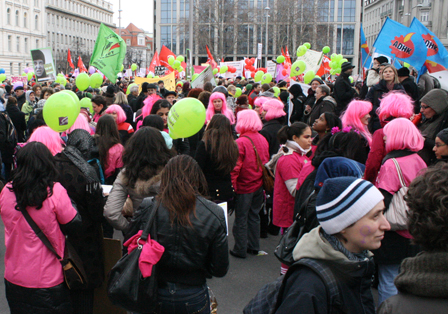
(424, 107)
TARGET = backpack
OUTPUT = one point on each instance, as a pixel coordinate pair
(11, 138)
(267, 300)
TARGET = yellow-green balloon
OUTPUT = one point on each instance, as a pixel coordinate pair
(82, 81)
(351, 79)
(30, 75)
(2, 77)
(150, 75)
(96, 80)
(133, 67)
(258, 76)
(86, 102)
(307, 45)
(276, 91)
(122, 68)
(326, 49)
(308, 76)
(297, 68)
(186, 118)
(215, 71)
(128, 91)
(238, 92)
(223, 69)
(23, 74)
(180, 58)
(280, 59)
(60, 111)
(171, 60)
(62, 81)
(266, 78)
(176, 64)
(194, 76)
(301, 51)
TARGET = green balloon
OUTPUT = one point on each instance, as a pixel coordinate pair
(280, 59)
(23, 74)
(351, 79)
(258, 76)
(223, 69)
(128, 91)
(194, 76)
(301, 51)
(326, 49)
(238, 92)
(86, 102)
(133, 67)
(344, 60)
(307, 45)
(30, 75)
(62, 81)
(72, 95)
(215, 71)
(2, 77)
(308, 76)
(406, 65)
(180, 58)
(297, 68)
(186, 118)
(171, 60)
(96, 80)
(180, 69)
(156, 77)
(82, 81)
(122, 68)
(60, 111)
(150, 75)
(276, 91)
(266, 79)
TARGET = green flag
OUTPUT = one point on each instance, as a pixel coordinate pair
(109, 52)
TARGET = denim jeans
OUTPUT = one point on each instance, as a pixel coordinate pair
(386, 286)
(174, 300)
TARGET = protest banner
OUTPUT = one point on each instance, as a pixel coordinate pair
(159, 70)
(204, 77)
(44, 67)
(169, 81)
(271, 67)
(312, 60)
(238, 65)
(22, 79)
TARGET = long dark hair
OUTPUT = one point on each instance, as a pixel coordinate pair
(34, 177)
(106, 136)
(218, 139)
(145, 155)
(182, 181)
(155, 121)
(161, 103)
(287, 132)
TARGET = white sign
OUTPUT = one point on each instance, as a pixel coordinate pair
(238, 65)
(271, 67)
(312, 60)
(224, 208)
(260, 50)
(205, 76)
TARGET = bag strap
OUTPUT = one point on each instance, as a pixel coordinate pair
(400, 174)
(39, 232)
(149, 224)
(256, 152)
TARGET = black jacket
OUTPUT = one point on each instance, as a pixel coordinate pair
(343, 93)
(192, 254)
(323, 104)
(132, 101)
(18, 119)
(21, 100)
(298, 107)
(375, 95)
(412, 90)
(139, 102)
(269, 131)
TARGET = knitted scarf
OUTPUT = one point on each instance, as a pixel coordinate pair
(338, 246)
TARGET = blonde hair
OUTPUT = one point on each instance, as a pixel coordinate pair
(395, 73)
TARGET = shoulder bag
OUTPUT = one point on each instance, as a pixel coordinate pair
(126, 286)
(397, 213)
(72, 266)
(268, 178)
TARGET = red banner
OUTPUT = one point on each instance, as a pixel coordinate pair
(211, 60)
(70, 60)
(154, 62)
(81, 65)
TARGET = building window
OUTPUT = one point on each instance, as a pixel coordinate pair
(8, 16)
(424, 16)
(37, 43)
(9, 43)
(24, 19)
(18, 44)
(20, 67)
(17, 18)
(36, 22)
(11, 68)
(128, 42)
(26, 45)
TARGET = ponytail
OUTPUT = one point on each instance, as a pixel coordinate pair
(287, 132)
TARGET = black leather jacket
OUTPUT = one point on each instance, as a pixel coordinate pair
(192, 254)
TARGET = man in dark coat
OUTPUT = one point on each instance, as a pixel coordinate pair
(344, 93)
(143, 94)
(19, 93)
(410, 87)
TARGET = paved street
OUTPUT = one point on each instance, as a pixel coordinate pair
(233, 292)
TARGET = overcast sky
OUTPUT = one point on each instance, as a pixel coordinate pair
(134, 11)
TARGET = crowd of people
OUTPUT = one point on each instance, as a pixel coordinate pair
(339, 153)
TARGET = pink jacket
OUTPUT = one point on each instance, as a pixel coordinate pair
(28, 262)
(114, 160)
(247, 175)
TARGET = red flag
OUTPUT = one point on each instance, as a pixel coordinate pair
(70, 60)
(81, 65)
(288, 59)
(324, 66)
(434, 67)
(210, 60)
(154, 62)
(164, 54)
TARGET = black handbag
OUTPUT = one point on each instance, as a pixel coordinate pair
(126, 286)
(292, 235)
(72, 266)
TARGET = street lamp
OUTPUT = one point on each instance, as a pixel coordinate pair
(266, 10)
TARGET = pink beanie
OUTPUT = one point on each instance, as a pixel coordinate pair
(274, 109)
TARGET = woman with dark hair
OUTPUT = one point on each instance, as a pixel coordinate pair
(208, 87)
(144, 157)
(109, 147)
(441, 146)
(34, 280)
(157, 122)
(195, 92)
(217, 154)
(82, 183)
(193, 232)
(324, 124)
(421, 282)
(99, 107)
(274, 115)
(185, 90)
(204, 97)
(297, 98)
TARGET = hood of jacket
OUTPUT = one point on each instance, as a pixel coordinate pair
(27, 96)
(437, 99)
(144, 187)
(330, 99)
(313, 245)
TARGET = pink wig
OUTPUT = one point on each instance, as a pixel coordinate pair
(48, 137)
(396, 105)
(211, 109)
(401, 134)
(149, 102)
(81, 123)
(274, 109)
(248, 121)
(121, 116)
(259, 101)
(357, 109)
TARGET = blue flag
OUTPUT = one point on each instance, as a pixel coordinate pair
(402, 43)
(436, 51)
(365, 57)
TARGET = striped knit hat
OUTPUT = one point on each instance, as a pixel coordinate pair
(343, 201)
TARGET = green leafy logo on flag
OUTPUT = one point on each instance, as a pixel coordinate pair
(109, 53)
